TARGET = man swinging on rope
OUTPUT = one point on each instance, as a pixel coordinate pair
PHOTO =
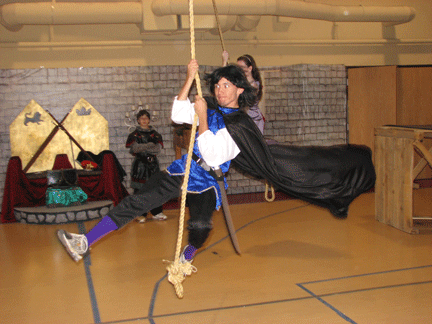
(330, 177)
(214, 148)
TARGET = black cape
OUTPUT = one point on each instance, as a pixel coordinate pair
(327, 176)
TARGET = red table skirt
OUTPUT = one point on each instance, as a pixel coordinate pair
(20, 191)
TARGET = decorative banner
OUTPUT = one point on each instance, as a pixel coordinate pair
(34, 125)
(28, 132)
(88, 128)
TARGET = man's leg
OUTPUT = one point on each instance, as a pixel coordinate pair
(158, 213)
(143, 217)
(201, 207)
(159, 189)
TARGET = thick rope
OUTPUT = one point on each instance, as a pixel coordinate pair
(177, 271)
(218, 24)
(266, 192)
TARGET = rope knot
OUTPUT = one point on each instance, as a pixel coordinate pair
(177, 272)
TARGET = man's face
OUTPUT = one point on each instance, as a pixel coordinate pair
(227, 93)
(144, 121)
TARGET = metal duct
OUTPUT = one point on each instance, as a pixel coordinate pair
(248, 22)
(288, 8)
(14, 15)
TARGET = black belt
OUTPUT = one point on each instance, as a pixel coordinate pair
(218, 175)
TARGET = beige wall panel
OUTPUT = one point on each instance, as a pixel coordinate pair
(371, 102)
(414, 96)
(414, 101)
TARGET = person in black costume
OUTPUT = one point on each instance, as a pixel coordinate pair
(331, 177)
(145, 143)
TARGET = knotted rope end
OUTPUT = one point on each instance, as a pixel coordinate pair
(177, 273)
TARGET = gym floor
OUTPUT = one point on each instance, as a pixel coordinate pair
(298, 265)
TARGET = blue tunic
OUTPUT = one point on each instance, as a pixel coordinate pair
(199, 179)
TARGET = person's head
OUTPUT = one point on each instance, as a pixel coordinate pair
(231, 88)
(143, 118)
(248, 65)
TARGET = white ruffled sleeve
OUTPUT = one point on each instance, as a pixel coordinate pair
(218, 148)
(182, 112)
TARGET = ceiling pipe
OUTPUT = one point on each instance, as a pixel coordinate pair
(245, 23)
(14, 15)
(226, 23)
(273, 42)
(289, 8)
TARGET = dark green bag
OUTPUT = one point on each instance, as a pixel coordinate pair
(65, 197)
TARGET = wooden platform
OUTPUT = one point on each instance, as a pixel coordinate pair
(395, 148)
(61, 215)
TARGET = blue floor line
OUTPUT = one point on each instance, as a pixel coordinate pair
(355, 291)
(153, 299)
(301, 285)
(366, 274)
(328, 305)
(87, 264)
(242, 306)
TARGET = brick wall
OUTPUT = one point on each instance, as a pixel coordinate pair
(304, 104)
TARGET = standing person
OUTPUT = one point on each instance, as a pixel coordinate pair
(213, 148)
(145, 143)
(249, 67)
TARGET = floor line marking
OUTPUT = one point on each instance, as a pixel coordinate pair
(366, 274)
(92, 293)
(240, 306)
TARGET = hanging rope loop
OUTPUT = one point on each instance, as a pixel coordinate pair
(266, 192)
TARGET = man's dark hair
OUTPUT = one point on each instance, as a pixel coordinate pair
(143, 112)
(236, 76)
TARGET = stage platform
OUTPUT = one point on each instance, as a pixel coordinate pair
(60, 215)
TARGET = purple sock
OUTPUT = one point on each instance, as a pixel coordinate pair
(105, 226)
(189, 252)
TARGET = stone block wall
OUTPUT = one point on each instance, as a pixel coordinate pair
(304, 105)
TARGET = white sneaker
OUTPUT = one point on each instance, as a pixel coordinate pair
(75, 244)
(141, 219)
(160, 216)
